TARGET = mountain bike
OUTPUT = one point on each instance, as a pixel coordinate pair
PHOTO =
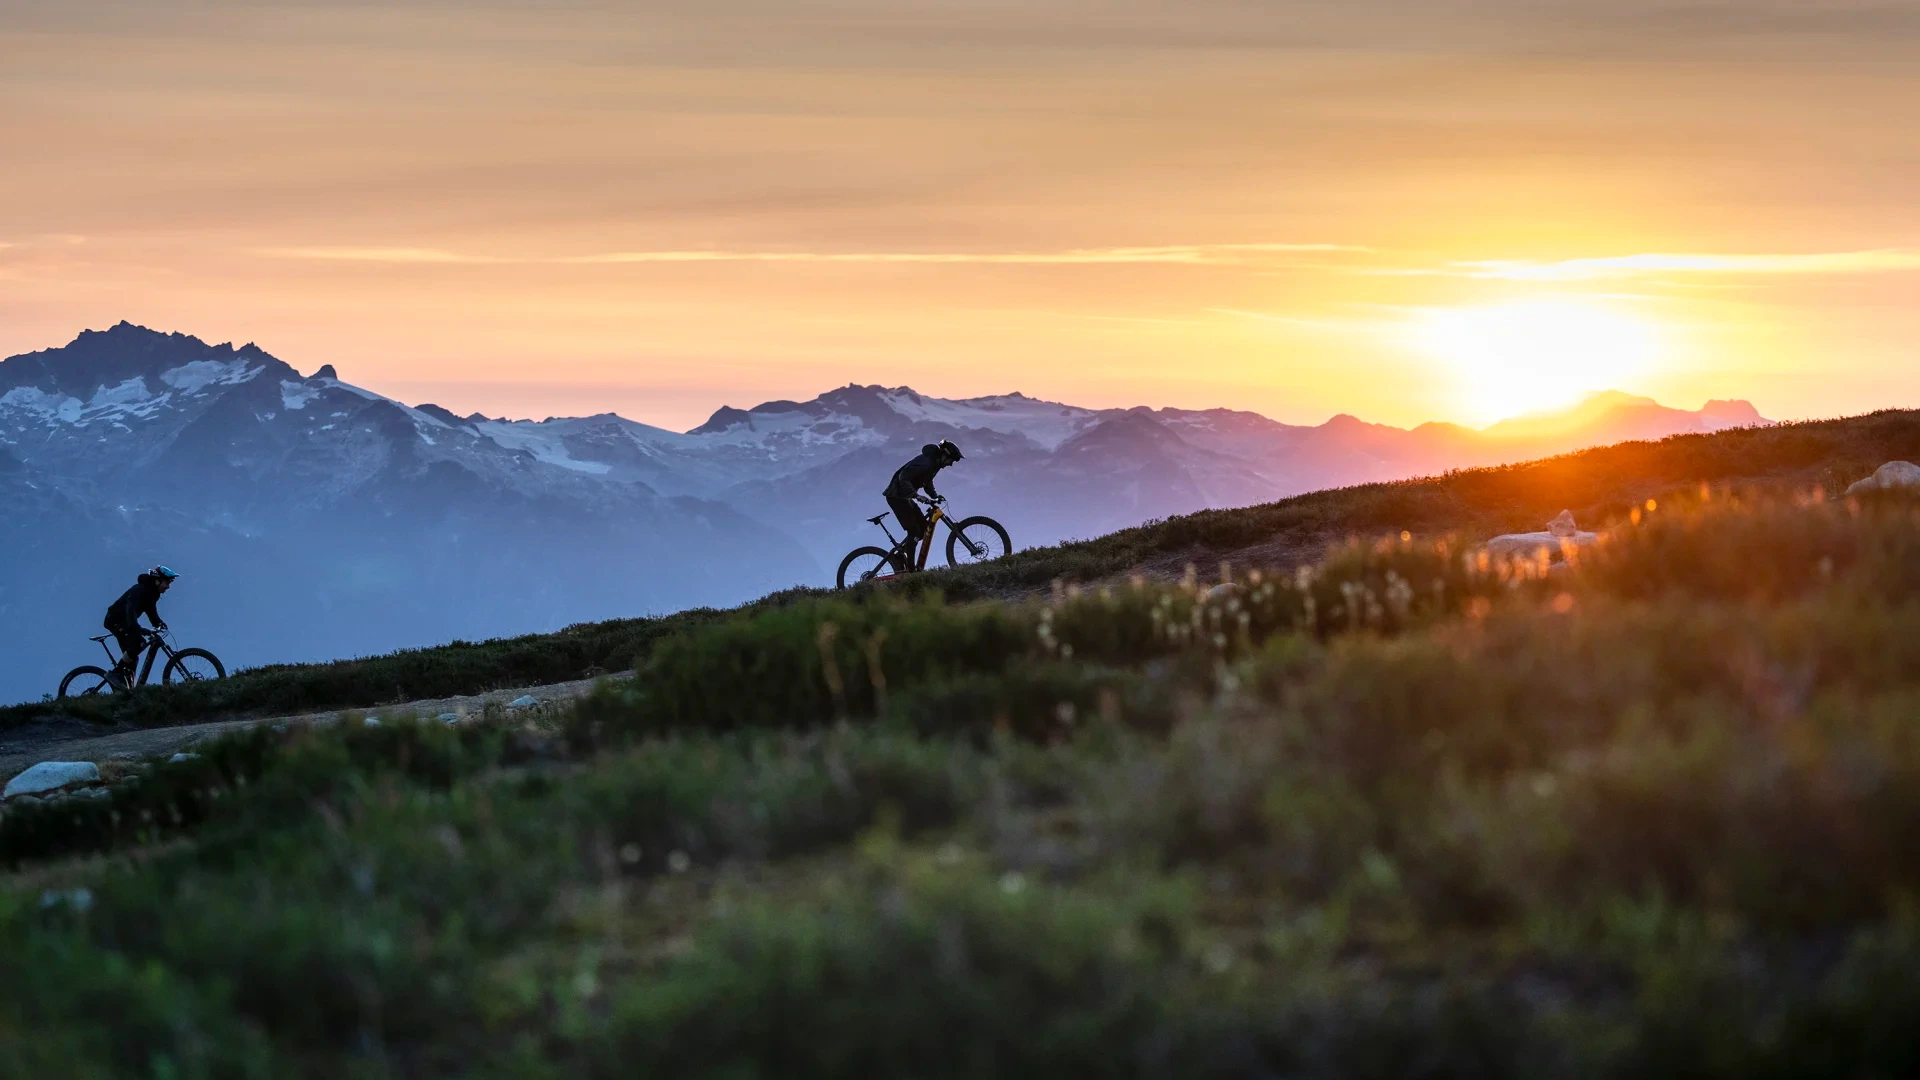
(183, 666)
(972, 540)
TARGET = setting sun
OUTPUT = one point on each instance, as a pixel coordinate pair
(1526, 356)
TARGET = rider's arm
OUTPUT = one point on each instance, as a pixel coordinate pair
(152, 612)
(931, 494)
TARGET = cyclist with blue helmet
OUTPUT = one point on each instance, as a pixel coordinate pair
(123, 618)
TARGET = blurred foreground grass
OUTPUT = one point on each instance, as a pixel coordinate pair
(1647, 809)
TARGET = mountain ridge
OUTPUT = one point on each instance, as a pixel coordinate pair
(130, 446)
(853, 398)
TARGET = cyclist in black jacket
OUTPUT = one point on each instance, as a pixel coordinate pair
(913, 476)
(123, 618)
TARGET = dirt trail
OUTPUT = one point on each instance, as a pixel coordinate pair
(68, 739)
(77, 740)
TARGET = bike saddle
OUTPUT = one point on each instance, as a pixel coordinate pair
(878, 520)
(102, 637)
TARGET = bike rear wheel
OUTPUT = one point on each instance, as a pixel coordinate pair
(976, 540)
(868, 564)
(87, 681)
(192, 665)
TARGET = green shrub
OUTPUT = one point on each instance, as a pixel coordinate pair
(1041, 701)
(254, 779)
(954, 976)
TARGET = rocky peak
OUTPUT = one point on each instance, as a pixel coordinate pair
(124, 351)
(723, 418)
(1733, 414)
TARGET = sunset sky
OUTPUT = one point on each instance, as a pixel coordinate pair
(1449, 209)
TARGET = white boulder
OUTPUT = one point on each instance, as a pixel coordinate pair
(1560, 531)
(1894, 474)
(523, 701)
(51, 776)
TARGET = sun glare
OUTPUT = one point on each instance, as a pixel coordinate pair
(1527, 356)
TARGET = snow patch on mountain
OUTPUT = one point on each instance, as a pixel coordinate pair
(335, 384)
(200, 374)
(48, 406)
(129, 398)
(770, 429)
(296, 395)
(1048, 423)
(546, 444)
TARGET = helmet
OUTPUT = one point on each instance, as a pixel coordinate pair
(163, 573)
(952, 451)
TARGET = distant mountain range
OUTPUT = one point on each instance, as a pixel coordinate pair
(314, 518)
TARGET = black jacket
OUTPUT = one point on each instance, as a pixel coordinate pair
(918, 473)
(137, 601)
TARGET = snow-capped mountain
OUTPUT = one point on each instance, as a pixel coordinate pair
(316, 518)
(1048, 470)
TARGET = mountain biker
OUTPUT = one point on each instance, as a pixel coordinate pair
(912, 476)
(123, 618)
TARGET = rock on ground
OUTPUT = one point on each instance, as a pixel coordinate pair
(51, 775)
(1894, 474)
(1561, 530)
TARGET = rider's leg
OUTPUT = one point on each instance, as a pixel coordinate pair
(907, 513)
(131, 641)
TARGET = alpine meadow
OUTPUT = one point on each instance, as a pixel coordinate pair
(959, 540)
(1640, 805)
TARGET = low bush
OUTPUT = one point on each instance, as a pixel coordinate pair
(1041, 701)
(251, 780)
(454, 669)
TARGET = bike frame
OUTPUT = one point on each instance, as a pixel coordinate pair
(936, 513)
(154, 647)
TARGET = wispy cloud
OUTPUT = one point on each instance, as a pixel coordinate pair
(380, 255)
(1317, 323)
(1175, 254)
(1882, 260)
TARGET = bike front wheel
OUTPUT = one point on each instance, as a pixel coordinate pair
(192, 665)
(88, 681)
(868, 564)
(976, 540)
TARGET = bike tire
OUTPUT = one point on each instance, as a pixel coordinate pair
(177, 669)
(871, 561)
(87, 681)
(983, 532)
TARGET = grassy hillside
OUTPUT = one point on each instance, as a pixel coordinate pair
(1599, 485)
(1406, 811)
